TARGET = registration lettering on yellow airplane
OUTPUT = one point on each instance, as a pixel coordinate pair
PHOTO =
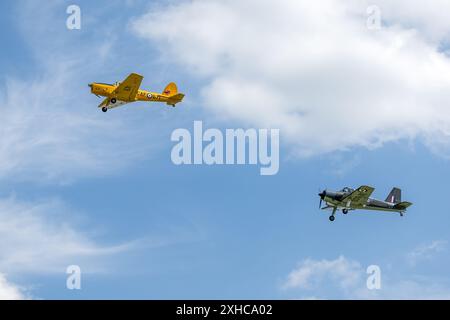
(129, 91)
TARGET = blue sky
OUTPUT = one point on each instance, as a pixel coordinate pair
(100, 191)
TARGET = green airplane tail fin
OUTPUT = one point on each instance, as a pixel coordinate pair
(395, 196)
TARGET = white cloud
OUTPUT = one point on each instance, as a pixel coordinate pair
(50, 128)
(426, 251)
(343, 278)
(432, 20)
(9, 291)
(310, 272)
(42, 238)
(46, 134)
(313, 69)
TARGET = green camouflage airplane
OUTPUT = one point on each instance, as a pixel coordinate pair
(349, 199)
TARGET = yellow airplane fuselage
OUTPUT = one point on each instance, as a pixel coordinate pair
(107, 90)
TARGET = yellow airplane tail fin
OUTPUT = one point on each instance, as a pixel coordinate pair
(170, 90)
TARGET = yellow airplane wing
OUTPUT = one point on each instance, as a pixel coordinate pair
(128, 89)
(104, 103)
(110, 105)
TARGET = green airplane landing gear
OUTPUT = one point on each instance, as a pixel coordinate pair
(345, 211)
(332, 215)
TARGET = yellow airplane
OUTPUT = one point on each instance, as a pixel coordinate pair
(128, 91)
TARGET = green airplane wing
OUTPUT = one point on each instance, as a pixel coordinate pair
(358, 197)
